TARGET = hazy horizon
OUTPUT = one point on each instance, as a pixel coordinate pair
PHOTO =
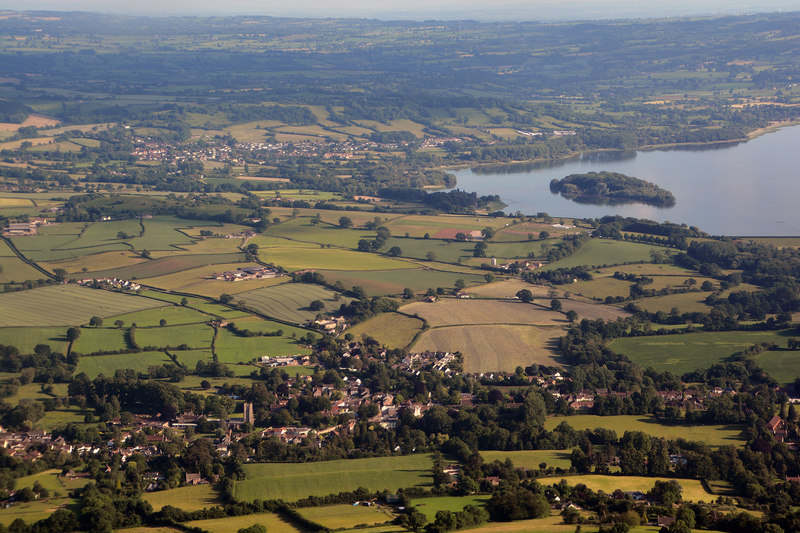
(417, 9)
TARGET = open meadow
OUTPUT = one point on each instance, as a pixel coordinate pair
(685, 352)
(191, 498)
(688, 302)
(290, 482)
(327, 259)
(391, 282)
(291, 301)
(199, 281)
(494, 347)
(232, 524)
(347, 515)
(232, 349)
(602, 252)
(712, 435)
(450, 312)
(455, 504)
(507, 289)
(65, 305)
(26, 338)
(193, 335)
(692, 489)
(531, 459)
(107, 365)
(390, 329)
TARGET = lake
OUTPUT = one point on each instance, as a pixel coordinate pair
(750, 188)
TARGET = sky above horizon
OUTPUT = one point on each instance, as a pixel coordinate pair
(480, 9)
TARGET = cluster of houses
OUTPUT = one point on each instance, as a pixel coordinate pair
(245, 273)
(332, 325)
(111, 283)
(28, 445)
(148, 149)
(445, 362)
(287, 360)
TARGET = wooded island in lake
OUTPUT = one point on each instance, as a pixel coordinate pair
(611, 187)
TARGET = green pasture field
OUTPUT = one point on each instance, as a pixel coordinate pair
(60, 418)
(602, 286)
(163, 233)
(517, 250)
(192, 498)
(34, 511)
(26, 338)
(494, 347)
(551, 524)
(780, 242)
(33, 391)
(234, 349)
(531, 459)
(455, 504)
(99, 233)
(346, 515)
(107, 365)
(198, 281)
(599, 252)
(54, 247)
(99, 261)
(65, 305)
(390, 329)
(507, 289)
(651, 269)
(712, 435)
(14, 270)
(328, 259)
(448, 252)
(419, 225)
(194, 335)
(51, 480)
(688, 302)
(219, 229)
(189, 358)
(359, 218)
(166, 265)
(458, 312)
(173, 314)
(784, 366)
(685, 352)
(15, 202)
(692, 488)
(206, 245)
(519, 232)
(290, 482)
(99, 339)
(290, 301)
(301, 229)
(390, 282)
(232, 524)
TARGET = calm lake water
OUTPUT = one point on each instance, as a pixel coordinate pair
(750, 188)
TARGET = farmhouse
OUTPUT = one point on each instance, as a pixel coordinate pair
(245, 273)
(21, 228)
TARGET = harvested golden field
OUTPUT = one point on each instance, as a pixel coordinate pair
(102, 261)
(391, 329)
(507, 289)
(493, 348)
(198, 281)
(592, 311)
(449, 312)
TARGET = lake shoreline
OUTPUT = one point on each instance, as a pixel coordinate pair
(644, 148)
